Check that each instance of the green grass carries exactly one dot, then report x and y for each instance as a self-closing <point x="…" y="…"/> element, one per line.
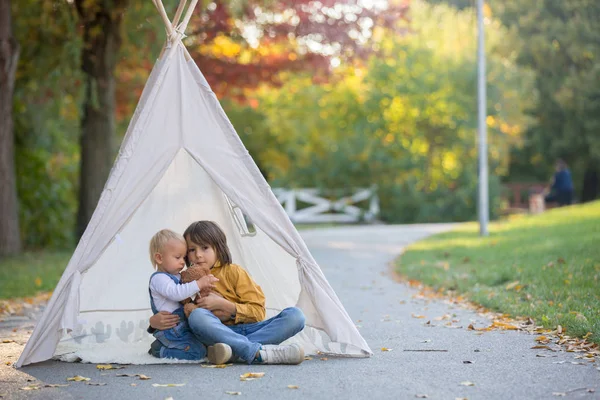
<point x="32" y="272"/>
<point x="555" y="257"/>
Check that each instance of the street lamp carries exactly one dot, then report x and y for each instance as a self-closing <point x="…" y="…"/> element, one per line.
<point x="483" y="204"/>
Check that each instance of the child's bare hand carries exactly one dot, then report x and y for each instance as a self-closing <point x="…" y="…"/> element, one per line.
<point x="164" y="320"/>
<point x="211" y="302"/>
<point x="207" y="282"/>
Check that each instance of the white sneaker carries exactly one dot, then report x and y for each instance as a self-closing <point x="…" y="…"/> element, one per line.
<point x="219" y="353"/>
<point x="275" y="354"/>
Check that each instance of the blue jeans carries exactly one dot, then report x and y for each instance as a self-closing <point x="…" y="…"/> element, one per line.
<point x="178" y="342"/>
<point x="245" y="339"/>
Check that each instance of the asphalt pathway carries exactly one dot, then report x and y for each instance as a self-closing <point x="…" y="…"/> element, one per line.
<point x="356" y="261"/>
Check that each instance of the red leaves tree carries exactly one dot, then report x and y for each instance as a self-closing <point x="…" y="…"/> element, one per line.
<point x="287" y="35"/>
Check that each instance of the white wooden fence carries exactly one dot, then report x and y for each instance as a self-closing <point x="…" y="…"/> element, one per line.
<point x="321" y="209"/>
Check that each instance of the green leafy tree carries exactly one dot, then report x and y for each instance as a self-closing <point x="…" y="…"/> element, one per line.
<point x="561" y="44"/>
<point x="405" y="121"/>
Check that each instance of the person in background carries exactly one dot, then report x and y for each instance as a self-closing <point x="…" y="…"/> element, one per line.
<point x="561" y="189"/>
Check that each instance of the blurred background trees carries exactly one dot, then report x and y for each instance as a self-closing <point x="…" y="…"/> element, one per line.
<point x="330" y="94"/>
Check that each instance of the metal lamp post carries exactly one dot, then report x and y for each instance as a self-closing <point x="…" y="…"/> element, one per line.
<point x="483" y="204"/>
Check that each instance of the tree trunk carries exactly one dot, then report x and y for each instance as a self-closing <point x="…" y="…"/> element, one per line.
<point x="591" y="183"/>
<point x="101" y="41"/>
<point x="10" y="236"/>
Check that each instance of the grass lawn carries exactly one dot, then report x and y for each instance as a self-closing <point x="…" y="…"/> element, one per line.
<point x="546" y="267"/>
<point x="32" y="272"/>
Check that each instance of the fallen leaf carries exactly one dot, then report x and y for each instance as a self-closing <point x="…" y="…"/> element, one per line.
<point x="95" y="384"/>
<point x="511" y="285"/>
<point x="78" y="378"/>
<point x="108" y="366"/>
<point x="168" y="384"/>
<point x="55" y="385"/>
<point x="323" y="358"/>
<point x="215" y="365"/>
<point x="133" y="384"/>
<point x="130" y="375"/>
<point x="541" y="347"/>
<point x="417" y="316"/>
<point x="293" y="387"/>
<point x="8" y="341"/>
<point x="542" y="339"/>
<point x="503" y="325"/>
<point x="308" y="358"/>
<point x="143" y="377"/>
<point x="421" y="396"/>
<point x="233" y="393"/>
<point x="248" y="376"/>
<point x="31" y="387"/>
<point x="38" y="282"/>
<point x="559" y="329"/>
<point x="467" y="362"/>
<point x="467" y="383"/>
<point x="385" y="349"/>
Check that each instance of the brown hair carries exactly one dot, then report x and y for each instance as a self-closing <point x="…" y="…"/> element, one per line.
<point x="209" y="233"/>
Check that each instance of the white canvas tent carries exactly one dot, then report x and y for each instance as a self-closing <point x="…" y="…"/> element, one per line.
<point x="180" y="161"/>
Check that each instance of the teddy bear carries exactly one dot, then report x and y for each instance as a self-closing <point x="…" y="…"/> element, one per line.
<point x="193" y="273"/>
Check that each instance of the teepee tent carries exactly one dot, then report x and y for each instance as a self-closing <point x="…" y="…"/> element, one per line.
<point x="180" y="161"/>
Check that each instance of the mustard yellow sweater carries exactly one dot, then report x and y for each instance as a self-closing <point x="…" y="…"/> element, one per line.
<point x="236" y="285"/>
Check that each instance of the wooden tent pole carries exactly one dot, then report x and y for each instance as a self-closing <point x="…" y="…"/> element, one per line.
<point x="169" y="26"/>
<point x="163" y="14"/>
<point x="188" y="15"/>
<point x="178" y="13"/>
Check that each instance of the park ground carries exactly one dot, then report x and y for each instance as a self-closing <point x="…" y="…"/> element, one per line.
<point x="433" y="341"/>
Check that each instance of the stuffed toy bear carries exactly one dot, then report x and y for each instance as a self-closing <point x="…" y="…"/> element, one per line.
<point x="193" y="273"/>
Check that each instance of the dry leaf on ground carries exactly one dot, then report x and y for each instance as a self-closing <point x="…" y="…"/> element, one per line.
<point x="233" y="393"/>
<point x="168" y="384"/>
<point x="108" y="366"/>
<point x="78" y="378"/>
<point x="215" y="365"/>
<point x="95" y="383"/>
<point x="467" y="383"/>
<point x="421" y="396"/>
<point x="293" y="387"/>
<point x="386" y="349"/>
<point x="30" y="387"/>
<point x="248" y="376"/>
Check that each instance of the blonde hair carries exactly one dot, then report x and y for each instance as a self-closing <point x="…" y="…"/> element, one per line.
<point x="160" y="239"/>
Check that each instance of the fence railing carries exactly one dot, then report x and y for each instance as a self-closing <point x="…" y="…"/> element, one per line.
<point x="310" y="205"/>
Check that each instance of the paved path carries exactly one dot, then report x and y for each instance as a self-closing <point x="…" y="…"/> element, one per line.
<point x="356" y="262"/>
